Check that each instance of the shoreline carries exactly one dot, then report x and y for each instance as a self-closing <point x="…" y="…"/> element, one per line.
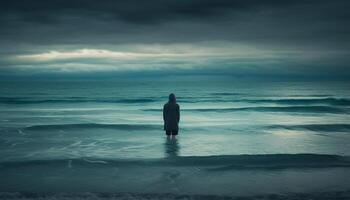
<point x="333" y="195"/>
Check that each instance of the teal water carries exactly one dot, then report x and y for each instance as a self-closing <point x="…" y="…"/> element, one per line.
<point x="105" y="135"/>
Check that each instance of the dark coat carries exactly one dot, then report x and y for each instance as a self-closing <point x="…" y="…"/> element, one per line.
<point x="171" y="116"/>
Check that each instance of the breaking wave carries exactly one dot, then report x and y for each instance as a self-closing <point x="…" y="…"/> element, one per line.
<point x="283" y="101"/>
<point x="220" y="162"/>
<point x="305" y="101"/>
<point x="19" y="100"/>
<point x="316" y="127"/>
<point x="94" y="125"/>
<point x="293" y="109"/>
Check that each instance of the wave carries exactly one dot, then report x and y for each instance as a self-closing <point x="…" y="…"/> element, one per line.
<point x="297" y="95"/>
<point x="293" y="109"/>
<point x="315" y="127"/>
<point x="94" y="125"/>
<point x="305" y="101"/>
<point x="284" y="101"/>
<point x="221" y="162"/>
<point x="328" y="195"/>
<point x="226" y="93"/>
<point x="18" y="100"/>
<point x="311" y="95"/>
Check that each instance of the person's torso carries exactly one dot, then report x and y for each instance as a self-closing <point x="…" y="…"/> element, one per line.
<point x="171" y="110"/>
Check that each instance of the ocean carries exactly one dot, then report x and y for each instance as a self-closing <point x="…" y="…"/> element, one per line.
<point x="105" y="140"/>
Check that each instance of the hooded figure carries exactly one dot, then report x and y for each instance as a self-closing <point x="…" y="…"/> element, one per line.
<point x="171" y="116"/>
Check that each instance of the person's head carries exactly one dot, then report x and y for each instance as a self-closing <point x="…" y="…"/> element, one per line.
<point x="172" y="98"/>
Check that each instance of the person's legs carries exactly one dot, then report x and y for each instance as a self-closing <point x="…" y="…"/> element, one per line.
<point x="174" y="133"/>
<point x="168" y="133"/>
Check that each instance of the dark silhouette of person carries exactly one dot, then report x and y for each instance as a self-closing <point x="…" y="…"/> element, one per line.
<point x="171" y="116"/>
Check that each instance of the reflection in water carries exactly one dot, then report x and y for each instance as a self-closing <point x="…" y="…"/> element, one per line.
<point x="171" y="147"/>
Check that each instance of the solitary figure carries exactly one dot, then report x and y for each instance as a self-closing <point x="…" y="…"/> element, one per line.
<point x="171" y="116"/>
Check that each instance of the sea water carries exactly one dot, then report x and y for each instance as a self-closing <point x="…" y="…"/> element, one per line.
<point x="235" y="139"/>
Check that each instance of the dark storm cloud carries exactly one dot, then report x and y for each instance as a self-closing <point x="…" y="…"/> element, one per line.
<point x="219" y="19"/>
<point x="331" y="15"/>
<point x="132" y="10"/>
<point x="291" y="36"/>
<point x="137" y="11"/>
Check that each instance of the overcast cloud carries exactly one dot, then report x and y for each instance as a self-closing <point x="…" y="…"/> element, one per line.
<point x="193" y="37"/>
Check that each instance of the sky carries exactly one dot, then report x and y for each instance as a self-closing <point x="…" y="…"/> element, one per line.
<point x="136" y="38"/>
